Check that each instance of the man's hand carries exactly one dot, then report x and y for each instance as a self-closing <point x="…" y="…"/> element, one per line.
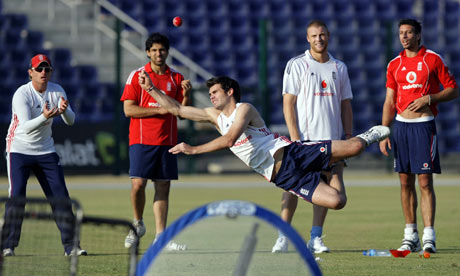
<point x="63" y="104"/>
<point x="419" y="103"/>
<point x="182" y="147"/>
<point x="186" y="87"/>
<point x="48" y="112"/>
<point x="144" y="80"/>
<point x="383" y="146"/>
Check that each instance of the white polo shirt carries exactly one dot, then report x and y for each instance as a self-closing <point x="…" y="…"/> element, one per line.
<point x="320" y="88"/>
<point x="30" y="132"/>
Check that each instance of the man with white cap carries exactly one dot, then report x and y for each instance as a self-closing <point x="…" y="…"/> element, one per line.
<point x="30" y="147"/>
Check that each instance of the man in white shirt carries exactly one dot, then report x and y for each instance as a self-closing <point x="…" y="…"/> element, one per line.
<point x="316" y="105"/>
<point x="30" y="148"/>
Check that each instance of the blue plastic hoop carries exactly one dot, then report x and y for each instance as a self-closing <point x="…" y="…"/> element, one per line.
<point x="227" y="208"/>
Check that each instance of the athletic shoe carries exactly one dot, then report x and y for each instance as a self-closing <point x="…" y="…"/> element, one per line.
<point x="80" y="252"/>
<point x="172" y="246"/>
<point x="131" y="237"/>
<point x="429" y="246"/>
<point x="411" y="241"/>
<point x="281" y="245"/>
<point x="375" y="134"/>
<point x="317" y="246"/>
<point x="8" y="252"/>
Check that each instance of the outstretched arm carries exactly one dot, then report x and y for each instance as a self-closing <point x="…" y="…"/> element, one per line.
<point x="174" y="107"/>
<point x="245" y="114"/>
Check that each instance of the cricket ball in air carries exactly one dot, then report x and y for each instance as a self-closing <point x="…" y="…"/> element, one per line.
<point x="177" y="21"/>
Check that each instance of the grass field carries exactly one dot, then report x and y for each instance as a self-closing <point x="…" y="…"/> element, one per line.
<point x="371" y="219"/>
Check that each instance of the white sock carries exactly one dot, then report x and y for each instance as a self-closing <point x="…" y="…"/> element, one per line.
<point x="412" y="226"/>
<point x="280" y="234"/>
<point x="428" y="233"/>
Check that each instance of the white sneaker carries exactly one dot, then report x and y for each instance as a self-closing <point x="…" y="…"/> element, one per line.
<point x="8" y="252"/>
<point x="317" y="245"/>
<point x="411" y="241"/>
<point x="80" y="252"/>
<point x="429" y="246"/>
<point x="131" y="237"/>
<point x="429" y="241"/>
<point x="375" y="134"/>
<point x="281" y="245"/>
<point x="172" y="246"/>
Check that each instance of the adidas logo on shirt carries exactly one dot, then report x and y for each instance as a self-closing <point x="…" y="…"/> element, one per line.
<point x="404" y="68"/>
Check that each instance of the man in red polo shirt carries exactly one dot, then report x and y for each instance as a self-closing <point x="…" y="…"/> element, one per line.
<point x="152" y="132"/>
<point x="413" y="80"/>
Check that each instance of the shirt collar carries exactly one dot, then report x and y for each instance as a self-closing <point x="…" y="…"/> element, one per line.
<point x="148" y="69"/>
<point x="308" y="55"/>
<point x="420" y="52"/>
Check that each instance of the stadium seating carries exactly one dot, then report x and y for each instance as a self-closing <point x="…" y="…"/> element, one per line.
<point x="222" y="36"/>
<point x="17" y="45"/>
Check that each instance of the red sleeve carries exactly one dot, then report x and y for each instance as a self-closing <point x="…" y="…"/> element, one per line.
<point x="178" y="78"/>
<point x="132" y="88"/>
<point x="444" y="75"/>
<point x="391" y="81"/>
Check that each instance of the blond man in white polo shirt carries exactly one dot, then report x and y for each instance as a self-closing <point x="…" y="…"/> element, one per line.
<point x="317" y="106"/>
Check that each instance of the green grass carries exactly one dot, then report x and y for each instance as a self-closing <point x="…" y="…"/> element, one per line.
<point x="371" y="219"/>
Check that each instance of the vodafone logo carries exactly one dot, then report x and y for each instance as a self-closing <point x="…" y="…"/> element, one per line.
<point x="322" y="149"/>
<point x="411" y="77"/>
<point x="425" y="166"/>
<point x="324" y="84"/>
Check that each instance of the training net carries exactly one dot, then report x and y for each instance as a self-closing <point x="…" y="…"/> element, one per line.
<point x="38" y="248"/>
<point x="228" y="238"/>
<point x="103" y="239"/>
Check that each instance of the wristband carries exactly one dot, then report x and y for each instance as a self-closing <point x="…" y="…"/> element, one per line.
<point x="150" y="89"/>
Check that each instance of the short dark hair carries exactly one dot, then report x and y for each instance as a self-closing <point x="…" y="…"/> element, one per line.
<point x="157" y="38"/>
<point x="414" y="23"/>
<point x="226" y="83"/>
<point x="318" y="23"/>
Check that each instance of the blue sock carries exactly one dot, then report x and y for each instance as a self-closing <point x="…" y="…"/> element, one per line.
<point x="316" y="231"/>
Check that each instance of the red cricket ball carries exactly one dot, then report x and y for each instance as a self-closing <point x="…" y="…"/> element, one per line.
<point x="177" y="21"/>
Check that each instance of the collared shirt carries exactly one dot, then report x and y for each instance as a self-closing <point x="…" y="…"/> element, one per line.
<point x="414" y="77"/>
<point x="320" y="88"/>
<point x="158" y="130"/>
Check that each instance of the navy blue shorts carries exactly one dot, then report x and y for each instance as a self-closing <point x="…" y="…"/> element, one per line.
<point x="416" y="147"/>
<point x="152" y="162"/>
<point x="301" y="168"/>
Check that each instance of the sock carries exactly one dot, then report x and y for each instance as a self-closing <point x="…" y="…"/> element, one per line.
<point x="428" y="233"/>
<point x="280" y="234"/>
<point x="316" y="231"/>
<point x="412" y="226"/>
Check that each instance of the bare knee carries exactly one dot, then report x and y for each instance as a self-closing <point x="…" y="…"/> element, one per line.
<point x="339" y="202"/>
<point x="138" y="185"/>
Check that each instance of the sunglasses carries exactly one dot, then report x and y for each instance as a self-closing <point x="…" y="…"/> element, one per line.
<point x="40" y="69"/>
